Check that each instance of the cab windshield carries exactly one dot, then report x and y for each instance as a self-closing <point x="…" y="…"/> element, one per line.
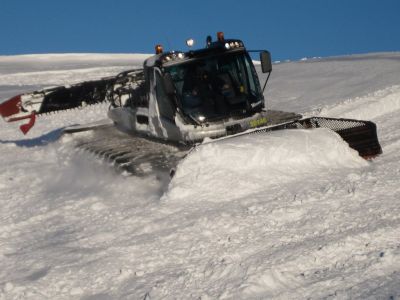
<point x="217" y="87"/>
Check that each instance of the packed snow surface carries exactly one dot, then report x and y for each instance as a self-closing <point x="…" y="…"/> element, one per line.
<point x="288" y="215"/>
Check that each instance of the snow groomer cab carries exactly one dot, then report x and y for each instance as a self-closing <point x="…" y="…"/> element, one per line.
<point x="188" y="96"/>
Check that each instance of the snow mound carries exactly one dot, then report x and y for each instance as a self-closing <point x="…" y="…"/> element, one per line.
<point x="368" y="107"/>
<point x="232" y="168"/>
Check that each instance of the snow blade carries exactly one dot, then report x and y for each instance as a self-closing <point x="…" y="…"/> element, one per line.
<point x="360" y="135"/>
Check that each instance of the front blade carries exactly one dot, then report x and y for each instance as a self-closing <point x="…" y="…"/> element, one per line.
<point x="360" y="135"/>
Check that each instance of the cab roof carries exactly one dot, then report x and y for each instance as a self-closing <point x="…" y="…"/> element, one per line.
<point x="176" y="57"/>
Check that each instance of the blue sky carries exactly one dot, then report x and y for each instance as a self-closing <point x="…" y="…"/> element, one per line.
<point x="290" y="29"/>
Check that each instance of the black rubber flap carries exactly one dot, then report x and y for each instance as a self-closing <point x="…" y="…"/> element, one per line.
<point x="360" y="135"/>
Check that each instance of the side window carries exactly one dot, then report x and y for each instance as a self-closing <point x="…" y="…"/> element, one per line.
<point x="253" y="77"/>
<point x="165" y="106"/>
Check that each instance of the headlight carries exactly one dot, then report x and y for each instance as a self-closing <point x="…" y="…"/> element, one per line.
<point x="190" y="42"/>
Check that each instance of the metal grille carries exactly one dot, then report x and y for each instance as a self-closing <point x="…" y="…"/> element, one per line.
<point x="360" y="135"/>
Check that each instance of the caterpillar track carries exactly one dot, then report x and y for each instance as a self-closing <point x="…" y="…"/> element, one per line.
<point x="132" y="154"/>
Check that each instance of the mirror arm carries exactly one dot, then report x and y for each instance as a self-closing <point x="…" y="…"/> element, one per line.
<point x="269" y="64"/>
<point x="266" y="81"/>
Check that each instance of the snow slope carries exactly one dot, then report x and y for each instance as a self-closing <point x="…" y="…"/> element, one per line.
<point x="288" y="215"/>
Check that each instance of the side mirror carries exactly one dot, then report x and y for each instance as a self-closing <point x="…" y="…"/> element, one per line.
<point x="169" y="84"/>
<point x="266" y="64"/>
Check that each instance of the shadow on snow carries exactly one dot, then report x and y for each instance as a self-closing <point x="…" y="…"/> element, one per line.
<point x="42" y="140"/>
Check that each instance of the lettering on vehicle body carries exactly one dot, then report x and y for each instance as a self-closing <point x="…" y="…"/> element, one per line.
<point x="258" y="122"/>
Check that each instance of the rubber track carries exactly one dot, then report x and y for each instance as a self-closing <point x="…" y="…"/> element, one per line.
<point x="132" y="154"/>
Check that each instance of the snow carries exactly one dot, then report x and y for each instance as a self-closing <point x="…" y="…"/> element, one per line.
<point x="257" y="164"/>
<point x="289" y="214"/>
